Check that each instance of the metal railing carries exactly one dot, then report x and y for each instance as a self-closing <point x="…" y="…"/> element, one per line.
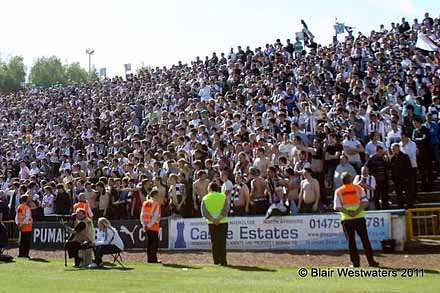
<point x="12" y="229"/>
<point x="423" y="223"/>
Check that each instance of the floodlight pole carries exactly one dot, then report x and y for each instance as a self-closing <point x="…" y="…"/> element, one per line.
<point x="90" y="52"/>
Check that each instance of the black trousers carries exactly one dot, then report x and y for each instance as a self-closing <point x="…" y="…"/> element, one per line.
<point x="218" y="240"/>
<point x="95" y="212"/>
<point x="25" y="244"/>
<point x="412" y="194"/>
<point x="381" y="193"/>
<point x="259" y="207"/>
<point x="100" y="250"/>
<point x="401" y="187"/>
<point x="152" y="246"/>
<point x="238" y="211"/>
<point x="73" y="247"/>
<point x="424" y="162"/>
<point x="351" y="227"/>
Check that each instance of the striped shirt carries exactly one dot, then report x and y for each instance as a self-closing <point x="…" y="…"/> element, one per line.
<point x="369" y="180"/>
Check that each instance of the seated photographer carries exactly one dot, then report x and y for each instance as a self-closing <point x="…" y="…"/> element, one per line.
<point x="82" y="235"/>
<point x="108" y="241"/>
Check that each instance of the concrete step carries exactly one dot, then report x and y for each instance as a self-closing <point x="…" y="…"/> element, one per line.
<point x="422" y="196"/>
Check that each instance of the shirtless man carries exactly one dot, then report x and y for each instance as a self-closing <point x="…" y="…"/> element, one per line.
<point x="91" y="198"/>
<point x="292" y="184"/>
<point x="309" y="194"/>
<point x="258" y="196"/>
<point x="159" y="186"/>
<point x="200" y="189"/>
<point x="240" y="197"/>
<point x="295" y="150"/>
<point x="261" y="162"/>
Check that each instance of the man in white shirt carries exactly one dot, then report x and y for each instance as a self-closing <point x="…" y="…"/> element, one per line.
<point x="393" y="136"/>
<point x="34" y="169"/>
<point x="352" y="148"/>
<point x="205" y="92"/>
<point x="370" y="148"/>
<point x="286" y="146"/>
<point x="375" y="125"/>
<point x="227" y="186"/>
<point x="48" y="203"/>
<point x="232" y="56"/>
<point x="409" y="147"/>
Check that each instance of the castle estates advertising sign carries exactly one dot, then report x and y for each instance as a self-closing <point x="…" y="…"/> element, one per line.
<point x="313" y="232"/>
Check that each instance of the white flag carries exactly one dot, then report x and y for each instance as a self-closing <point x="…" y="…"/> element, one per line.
<point x="424" y="42"/>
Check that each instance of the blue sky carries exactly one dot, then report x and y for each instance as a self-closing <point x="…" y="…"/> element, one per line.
<point x="162" y="32"/>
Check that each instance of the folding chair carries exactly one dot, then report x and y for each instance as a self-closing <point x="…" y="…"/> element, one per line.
<point x="117" y="257"/>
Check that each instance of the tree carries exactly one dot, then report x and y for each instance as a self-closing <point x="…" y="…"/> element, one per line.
<point x="75" y="73"/>
<point x="143" y="68"/>
<point x="93" y="75"/>
<point x="12" y="74"/>
<point x="50" y="71"/>
<point x="47" y="72"/>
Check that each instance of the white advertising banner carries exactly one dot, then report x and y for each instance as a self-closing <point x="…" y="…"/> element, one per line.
<point x="303" y="232"/>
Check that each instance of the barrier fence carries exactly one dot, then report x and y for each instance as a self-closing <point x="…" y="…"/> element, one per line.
<point x="50" y="235"/>
<point x="12" y="230"/>
<point x="423" y="223"/>
<point x="301" y="232"/>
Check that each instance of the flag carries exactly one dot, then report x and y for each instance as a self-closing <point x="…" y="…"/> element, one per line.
<point x="307" y="33"/>
<point x="103" y="72"/>
<point x="426" y="43"/>
<point x="299" y="36"/>
<point x="127" y="67"/>
<point x="339" y="28"/>
<point x="349" y="29"/>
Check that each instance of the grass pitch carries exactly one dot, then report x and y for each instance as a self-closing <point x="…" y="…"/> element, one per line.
<point x="52" y="276"/>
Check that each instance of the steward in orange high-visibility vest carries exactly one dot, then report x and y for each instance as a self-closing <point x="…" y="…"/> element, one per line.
<point x="23" y="219"/>
<point x="350" y="200"/>
<point x="83" y="204"/>
<point x="150" y="220"/>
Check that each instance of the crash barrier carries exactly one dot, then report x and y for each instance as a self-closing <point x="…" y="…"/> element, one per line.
<point x="423" y="223"/>
<point x="300" y="232"/>
<point x="12" y="230"/>
<point x="51" y="235"/>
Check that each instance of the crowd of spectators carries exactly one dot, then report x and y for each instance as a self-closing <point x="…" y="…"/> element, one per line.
<point x="274" y="126"/>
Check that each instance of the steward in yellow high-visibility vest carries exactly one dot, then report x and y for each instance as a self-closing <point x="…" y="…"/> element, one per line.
<point x="215" y="208"/>
<point x="350" y="200"/>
